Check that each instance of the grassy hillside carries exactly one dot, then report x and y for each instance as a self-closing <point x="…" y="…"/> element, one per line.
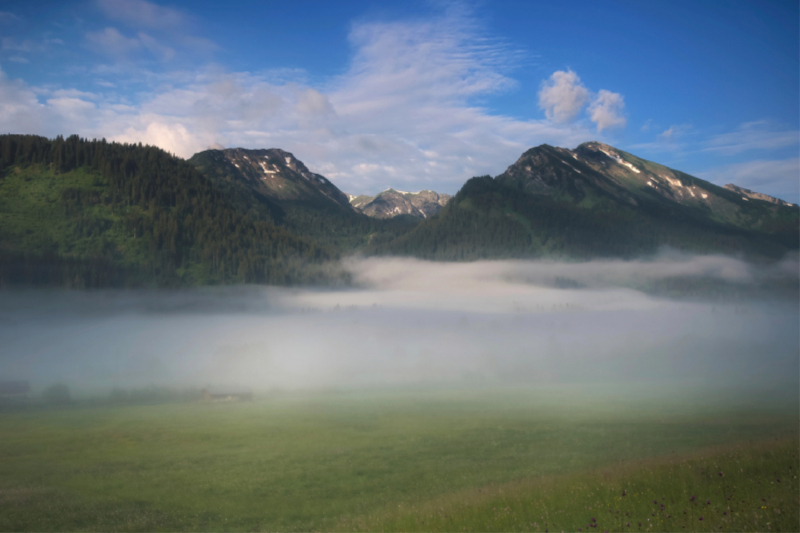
<point x="95" y="214"/>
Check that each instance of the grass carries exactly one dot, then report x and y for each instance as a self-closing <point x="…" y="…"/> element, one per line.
<point x="399" y="460"/>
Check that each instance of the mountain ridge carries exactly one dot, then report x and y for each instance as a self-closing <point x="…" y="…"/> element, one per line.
<point x="597" y="201"/>
<point x="392" y="202"/>
<point x="81" y="213"/>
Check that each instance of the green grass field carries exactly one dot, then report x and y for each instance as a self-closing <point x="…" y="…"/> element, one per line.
<point x="551" y="458"/>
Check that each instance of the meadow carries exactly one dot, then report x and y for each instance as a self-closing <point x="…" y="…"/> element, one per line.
<point x="588" y="456"/>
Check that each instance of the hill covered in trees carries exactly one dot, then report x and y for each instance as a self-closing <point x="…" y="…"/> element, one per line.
<point x="597" y="201"/>
<point x="80" y="213"/>
<point x="277" y="185"/>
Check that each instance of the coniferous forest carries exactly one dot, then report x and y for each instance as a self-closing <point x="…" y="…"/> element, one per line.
<point x="78" y="213"/>
<point x="86" y="214"/>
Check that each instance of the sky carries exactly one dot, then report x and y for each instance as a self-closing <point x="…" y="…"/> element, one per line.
<point x="417" y="94"/>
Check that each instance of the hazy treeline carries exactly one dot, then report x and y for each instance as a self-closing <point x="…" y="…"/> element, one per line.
<point x="62" y="395"/>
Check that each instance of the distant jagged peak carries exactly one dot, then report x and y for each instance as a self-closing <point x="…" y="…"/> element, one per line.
<point x="747" y="193"/>
<point x="392" y="202"/>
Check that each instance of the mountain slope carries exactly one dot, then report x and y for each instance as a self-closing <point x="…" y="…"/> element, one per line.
<point x="277" y="186"/>
<point x="597" y="201"/>
<point x="95" y="214"/>
<point x="391" y="203"/>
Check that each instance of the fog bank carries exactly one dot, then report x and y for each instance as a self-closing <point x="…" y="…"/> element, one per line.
<point x="415" y="322"/>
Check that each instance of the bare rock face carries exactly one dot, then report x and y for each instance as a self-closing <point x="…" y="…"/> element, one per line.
<point x="755" y="195"/>
<point x="391" y="203"/>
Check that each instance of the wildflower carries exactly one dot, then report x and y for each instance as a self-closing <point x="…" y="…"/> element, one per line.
<point x="708" y="502"/>
<point x="720" y="473"/>
<point x="701" y="518"/>
<point x="778" y="480"/>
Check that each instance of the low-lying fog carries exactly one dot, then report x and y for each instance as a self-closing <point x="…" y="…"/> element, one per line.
<point x="415" y="322"/>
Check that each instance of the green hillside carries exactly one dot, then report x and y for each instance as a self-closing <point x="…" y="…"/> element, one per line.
<point x="80" y="213"/>
<point x="582" y="204"/>
<point x="292" y="200"/>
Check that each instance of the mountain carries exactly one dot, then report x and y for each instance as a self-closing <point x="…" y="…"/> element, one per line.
<point x="391" y="203"/>
<point x="274" y="184"/>
<point x="78" y="213"/>
<point x="755" y="195"/>
<point x="597" y="201"/>
<point x="274" y="173"/>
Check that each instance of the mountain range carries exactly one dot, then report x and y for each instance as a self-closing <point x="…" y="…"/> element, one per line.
<point x="391" y="203"/>
<point x="89" y="213"/>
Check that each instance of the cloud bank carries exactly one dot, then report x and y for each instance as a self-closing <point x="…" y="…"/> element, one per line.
<point x="409" y="323"/>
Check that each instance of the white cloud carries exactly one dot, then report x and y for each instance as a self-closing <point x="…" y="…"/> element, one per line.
<point x="563" y="96"/>
<point x="760" y="135"/>
<point x="111" y="42"/>
<point x="402" y="115"/>
<point x="173" y="137"/>
<point x="312" y="102"/>
<point x="673" y="133"/>
<point x="139" y="13"/>
<point x="20" y="111"/>
<point x="13" y="45"/>
<point x="607" y="110"/>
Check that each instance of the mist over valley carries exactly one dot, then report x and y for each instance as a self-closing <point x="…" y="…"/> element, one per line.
<point x="410" y="322"/>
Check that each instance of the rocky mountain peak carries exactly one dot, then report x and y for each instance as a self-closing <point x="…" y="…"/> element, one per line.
<point x="391" y="203"/>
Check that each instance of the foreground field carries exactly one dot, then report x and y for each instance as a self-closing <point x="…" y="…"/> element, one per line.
<point x="454" y="460"/>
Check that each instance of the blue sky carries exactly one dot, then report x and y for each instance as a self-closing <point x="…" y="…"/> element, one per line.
<point x="417" y="94"/>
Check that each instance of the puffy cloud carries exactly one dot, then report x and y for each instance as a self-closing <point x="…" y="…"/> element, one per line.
<point x="607" y="110"/>
<point x="20" y="110"/>
<point x="563" y="96"/>
<point x="312" y="102"/>
<point x="173" y="137"/>
<point x="401" y="115"/>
